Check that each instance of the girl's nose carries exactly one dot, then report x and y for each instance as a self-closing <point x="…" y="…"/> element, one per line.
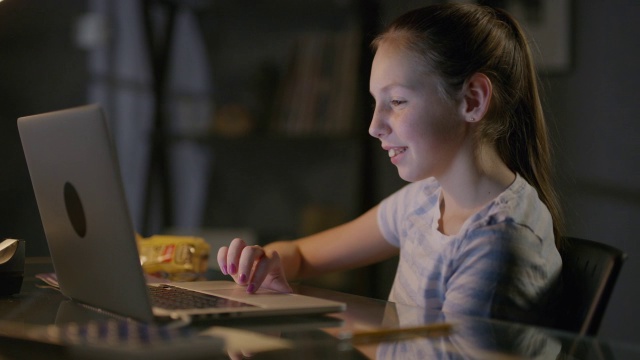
<point x="378" y="127"/>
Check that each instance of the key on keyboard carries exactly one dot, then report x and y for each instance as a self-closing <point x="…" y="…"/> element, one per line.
<point x="171" y="297"/>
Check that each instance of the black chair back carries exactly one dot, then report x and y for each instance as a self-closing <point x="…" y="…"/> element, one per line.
<point x="589" y="272"/>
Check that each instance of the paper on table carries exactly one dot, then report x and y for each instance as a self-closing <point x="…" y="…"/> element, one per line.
<point x="8" y="247"/>
<point x="50" y="278"/>
<point x="243" y="341"/>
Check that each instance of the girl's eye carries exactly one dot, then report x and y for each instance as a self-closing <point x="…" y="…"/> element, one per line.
<point x="397" y="102"/>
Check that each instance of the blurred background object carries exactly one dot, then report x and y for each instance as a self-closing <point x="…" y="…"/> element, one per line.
<point x="200" y="96"/>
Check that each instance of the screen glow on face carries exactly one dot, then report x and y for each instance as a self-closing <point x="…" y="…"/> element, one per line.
<point x="420" y="131"/>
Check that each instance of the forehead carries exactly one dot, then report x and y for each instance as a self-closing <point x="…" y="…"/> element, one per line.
<point x="395" y="65"/>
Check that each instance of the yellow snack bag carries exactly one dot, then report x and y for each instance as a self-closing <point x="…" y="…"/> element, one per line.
<point x="177" y="258"/>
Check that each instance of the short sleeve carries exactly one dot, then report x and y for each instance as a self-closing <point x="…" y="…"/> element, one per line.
<point x="387" y="222"/>
<point x="393" y="210"/>
<point x="496" y="272"/>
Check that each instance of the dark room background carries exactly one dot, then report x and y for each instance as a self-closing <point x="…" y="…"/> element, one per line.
<point x="278" y="184"/>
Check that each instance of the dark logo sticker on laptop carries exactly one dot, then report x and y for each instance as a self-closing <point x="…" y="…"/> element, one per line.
<point x="75" y="211"/>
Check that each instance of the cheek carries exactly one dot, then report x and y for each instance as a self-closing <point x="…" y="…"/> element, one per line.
<point x="437" y="137"/>
<point x="446" y="125"/>
<point x="433" y="132"/>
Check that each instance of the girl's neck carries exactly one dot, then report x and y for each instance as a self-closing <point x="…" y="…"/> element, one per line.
<point x="473" y="181"/>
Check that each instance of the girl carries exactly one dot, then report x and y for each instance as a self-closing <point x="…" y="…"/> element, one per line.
<point x="457" y="109"/>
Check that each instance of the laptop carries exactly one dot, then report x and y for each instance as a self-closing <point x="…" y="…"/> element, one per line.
<point x="76" y="179"/>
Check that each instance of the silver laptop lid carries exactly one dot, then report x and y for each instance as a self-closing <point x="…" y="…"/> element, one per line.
<point x="76" y="179"/>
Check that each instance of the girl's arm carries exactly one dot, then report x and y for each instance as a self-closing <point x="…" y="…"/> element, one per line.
<point x="353" y="244"/>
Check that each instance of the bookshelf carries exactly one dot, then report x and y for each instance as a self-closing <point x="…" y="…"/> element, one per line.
<point x="286" y="67"/>
<point x="290" y="78"/>
<point x="291" y="150"/>
<point x="318" y="91"/>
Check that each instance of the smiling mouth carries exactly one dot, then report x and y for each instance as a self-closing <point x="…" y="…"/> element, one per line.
<point x="396" y="151"/>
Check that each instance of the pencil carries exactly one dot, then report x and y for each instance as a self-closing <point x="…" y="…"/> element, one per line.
<point x="388" y="334"/>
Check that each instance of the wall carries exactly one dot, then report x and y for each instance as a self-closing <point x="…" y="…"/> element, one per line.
<point x="594" y="107"/>
<point x="40" y="70"/>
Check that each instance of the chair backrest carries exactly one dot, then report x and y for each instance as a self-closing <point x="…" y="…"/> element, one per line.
<point x="589" y="272"/>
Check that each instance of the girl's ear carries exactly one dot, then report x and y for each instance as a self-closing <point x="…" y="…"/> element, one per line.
<point x="477" y="96"/>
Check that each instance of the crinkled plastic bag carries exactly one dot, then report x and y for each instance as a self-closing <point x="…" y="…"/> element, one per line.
<point x="176" y="258"/>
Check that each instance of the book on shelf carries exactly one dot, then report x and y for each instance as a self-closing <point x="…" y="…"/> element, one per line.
<point x="319" y="90"/>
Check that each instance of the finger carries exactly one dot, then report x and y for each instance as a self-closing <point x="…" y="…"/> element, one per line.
<point x="222" y="259"/>
<point x="248" y="258"/>
<point x="278" y="279"/>
<point x="260" y="273"/>
<point x="233" y="255"/>
<point x="239" y="354"/>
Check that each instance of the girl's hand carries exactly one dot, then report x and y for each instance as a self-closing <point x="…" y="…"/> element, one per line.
<point x="253" y="267"/>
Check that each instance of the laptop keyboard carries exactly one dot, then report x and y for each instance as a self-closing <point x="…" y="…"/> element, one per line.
<point x="174" y="298"/>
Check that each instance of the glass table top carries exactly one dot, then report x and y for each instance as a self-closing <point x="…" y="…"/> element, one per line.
<point x="368" y="329"/>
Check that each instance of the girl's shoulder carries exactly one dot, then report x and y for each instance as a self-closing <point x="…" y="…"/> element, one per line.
<point x="517" y="207"/>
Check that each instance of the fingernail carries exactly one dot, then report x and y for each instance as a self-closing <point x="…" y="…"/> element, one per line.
<point x="243" y="278"/>
<point x="232" y="269"/>
<point x="223" y="268"/>
<point x="251" y="288"/>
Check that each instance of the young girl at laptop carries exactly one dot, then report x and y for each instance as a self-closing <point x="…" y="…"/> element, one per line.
<point x="458" y="111"/>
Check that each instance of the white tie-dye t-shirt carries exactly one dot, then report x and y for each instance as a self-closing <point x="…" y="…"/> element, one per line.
<point x="503" y="262"/>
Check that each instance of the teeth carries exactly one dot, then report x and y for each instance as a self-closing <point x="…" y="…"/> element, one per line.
<point x="394" y="152"/>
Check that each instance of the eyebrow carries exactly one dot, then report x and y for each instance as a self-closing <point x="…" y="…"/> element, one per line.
<point x="388" y="87"/>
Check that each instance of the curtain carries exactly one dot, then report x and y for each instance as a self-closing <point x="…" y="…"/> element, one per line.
<point x="122" y="81"/>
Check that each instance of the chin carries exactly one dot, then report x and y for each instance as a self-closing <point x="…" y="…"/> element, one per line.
<point x="408" y="177"/>
<point x="411" y="177"/>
